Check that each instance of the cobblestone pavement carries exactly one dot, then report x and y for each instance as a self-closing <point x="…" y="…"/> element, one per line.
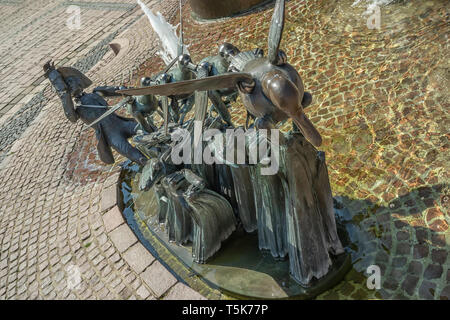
<point x="58" y="212"/>
<point x="380" y="101"/>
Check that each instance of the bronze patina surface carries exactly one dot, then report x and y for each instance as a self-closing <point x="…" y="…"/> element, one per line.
<point x="239" y="269"/>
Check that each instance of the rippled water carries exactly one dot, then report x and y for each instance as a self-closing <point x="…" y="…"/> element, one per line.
<point x="381" y="102"/>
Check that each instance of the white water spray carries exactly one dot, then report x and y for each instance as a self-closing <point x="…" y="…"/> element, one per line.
<point x="166" y="33"/>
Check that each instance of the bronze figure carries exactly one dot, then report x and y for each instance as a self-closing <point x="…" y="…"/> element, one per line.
<point x="270" y="88"/>
<point x="111" y="132"/>
<point x="291" y="210"/>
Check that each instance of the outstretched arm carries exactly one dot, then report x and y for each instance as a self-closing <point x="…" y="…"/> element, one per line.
<point x="109" y="91"/>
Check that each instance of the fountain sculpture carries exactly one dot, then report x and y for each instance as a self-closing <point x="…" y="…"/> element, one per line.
<point x="203" y="203"/>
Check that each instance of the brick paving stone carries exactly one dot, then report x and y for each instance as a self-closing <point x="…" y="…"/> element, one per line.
<point x="433" y="272"/>
<point x="182" y="292"/>
<point x="427" y="290"/>
<point x="158" y="278"/>
<point x="143" y="292"/>
<point x="109" y="198"/>
<point x="410" y="283"/>
<point x="421" y="251"/>
<point x="123" y="237"/>
<point x="138" y="257"/>
<point x="439" y="256"/>
<point x="112" y="219"/>
<point x="53" y="216"/>
<point x="415" y="268"/>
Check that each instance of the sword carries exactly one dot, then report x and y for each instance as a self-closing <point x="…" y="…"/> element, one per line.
<point x="165" y="107"/>
<point x="110" y="111"/>
<point x="92" y="106"/>
<point x="170" y="65"/>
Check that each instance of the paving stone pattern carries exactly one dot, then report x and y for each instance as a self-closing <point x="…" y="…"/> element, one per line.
<point x="58" y="203"/>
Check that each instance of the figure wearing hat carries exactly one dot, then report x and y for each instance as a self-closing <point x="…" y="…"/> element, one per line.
<point x="112" y="131"/>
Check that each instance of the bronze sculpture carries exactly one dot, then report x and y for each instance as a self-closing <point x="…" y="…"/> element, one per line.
<point x="140" y="107"/>
<point x="217" y="65"/>
<point x="111" y="132"/>
<point x="272" y="91"/>
<point x="188" y="208"/>
<point x="291" y="210"/>
<point x="186" y="70"/>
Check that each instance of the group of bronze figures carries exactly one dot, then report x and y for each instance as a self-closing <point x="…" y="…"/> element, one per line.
<point x="292" y="210"/>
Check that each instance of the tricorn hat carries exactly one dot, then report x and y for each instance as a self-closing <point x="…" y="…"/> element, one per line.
<point x="67" y="72"/>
